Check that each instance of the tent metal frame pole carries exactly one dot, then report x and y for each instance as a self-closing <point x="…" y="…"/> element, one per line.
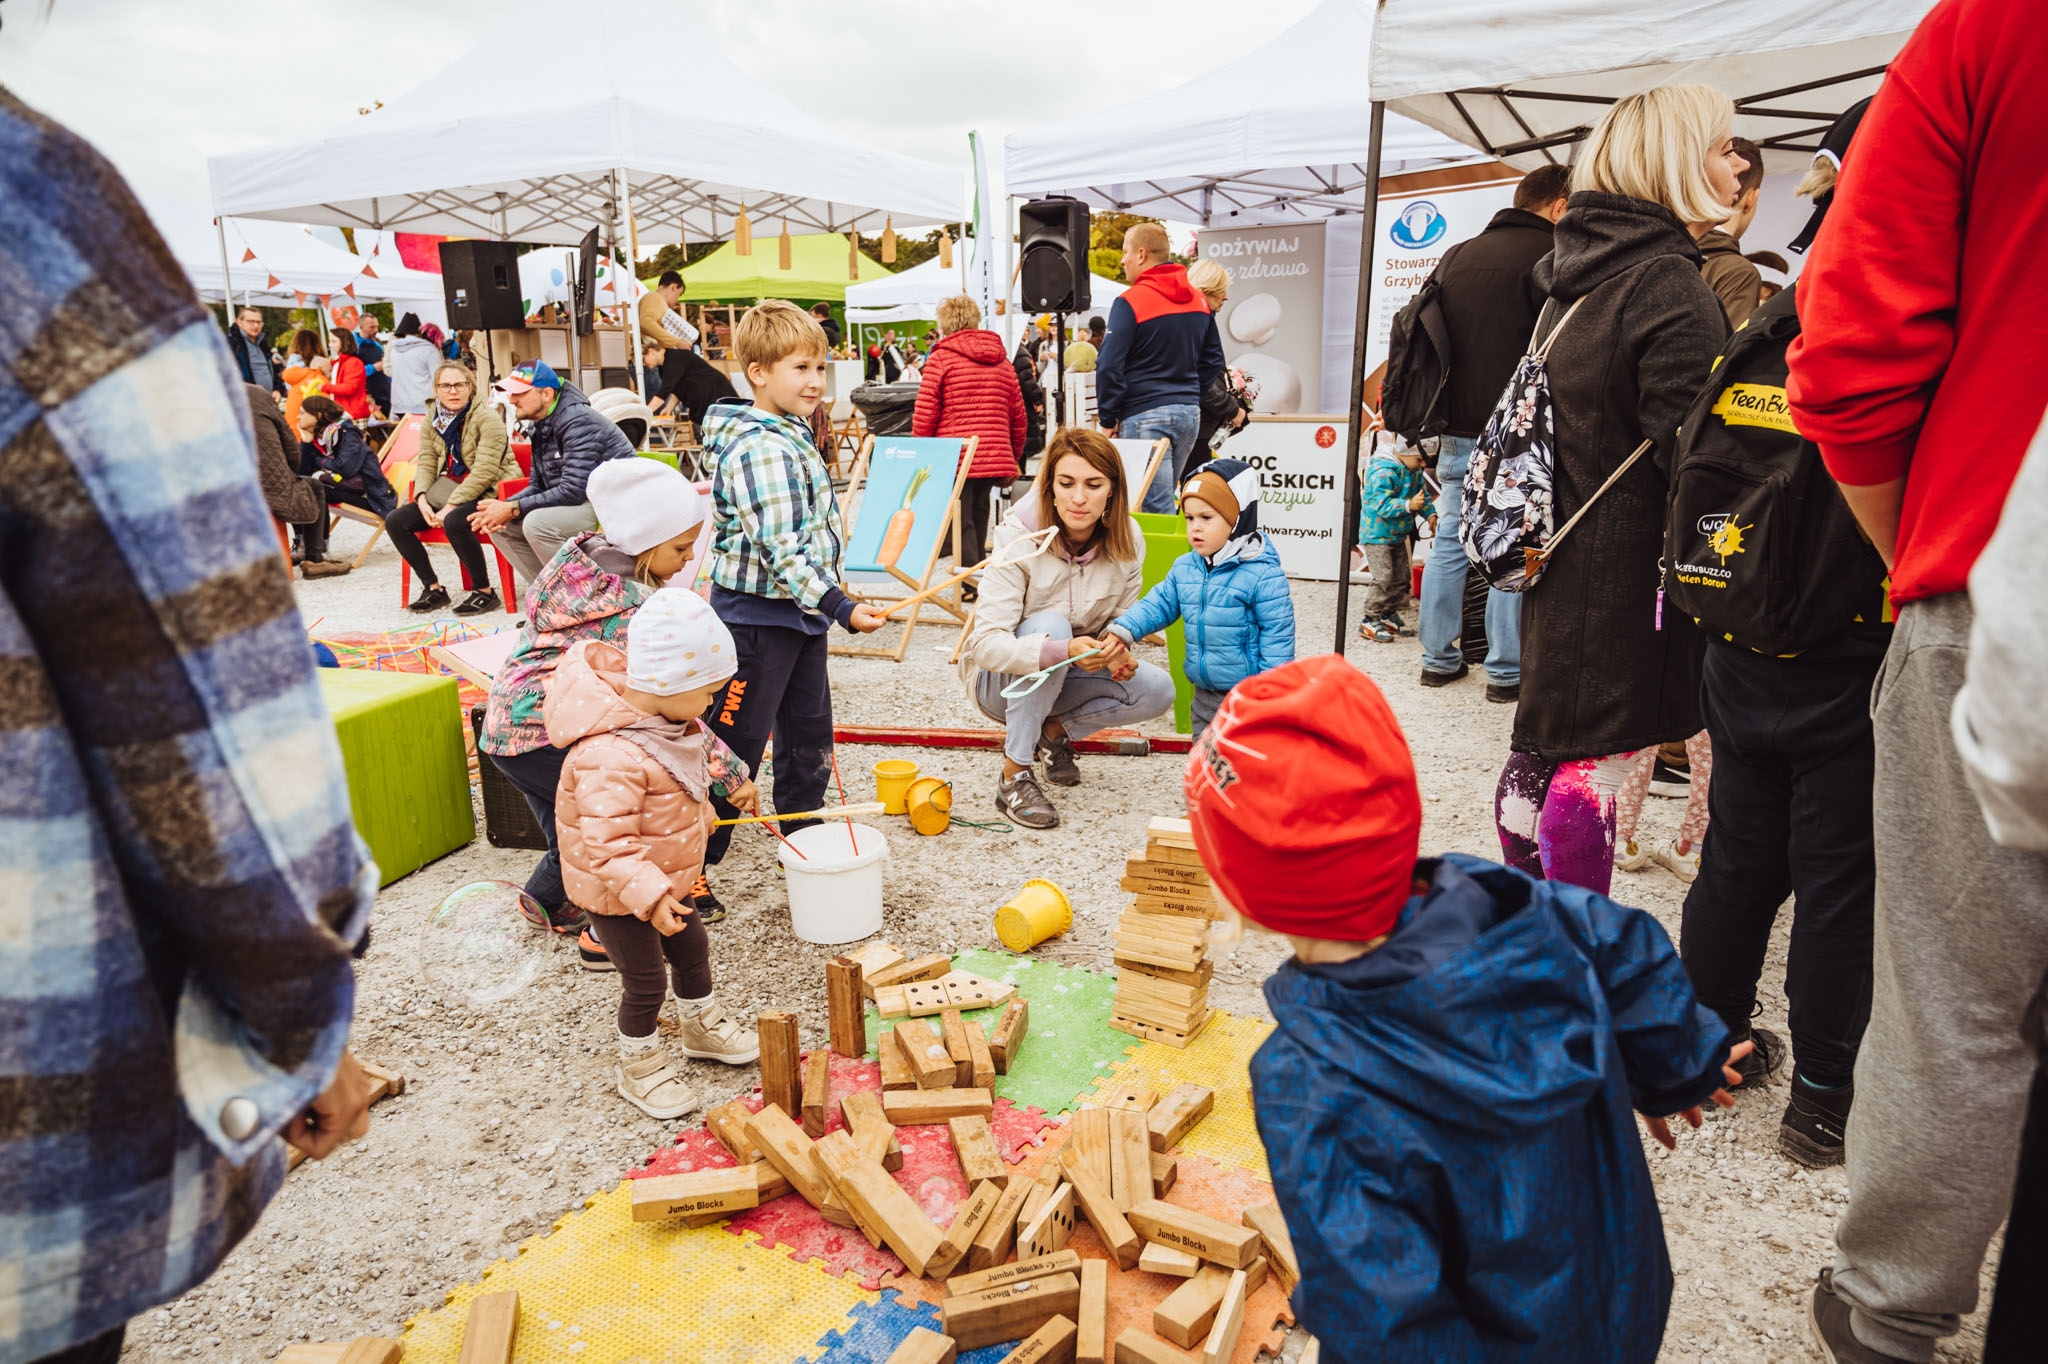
<point x="227" y="283"/>
<point x="1347" y="536"/>
<point x="632" y="305"/>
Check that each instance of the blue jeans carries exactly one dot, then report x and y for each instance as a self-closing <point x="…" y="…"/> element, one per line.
<point x="1443" y="586"/>
<point x="1083" y="701"/>
<point x="1178" y="423"/>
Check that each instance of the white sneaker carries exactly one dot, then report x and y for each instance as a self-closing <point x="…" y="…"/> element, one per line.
<point x="1630" y="856"/>
<point x="715" y="1035"/>
<point x="1685" y="866"/>
<point x="649" y="1082"/>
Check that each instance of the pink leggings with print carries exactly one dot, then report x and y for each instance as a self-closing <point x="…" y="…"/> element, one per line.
<point x="1557" y="820"/>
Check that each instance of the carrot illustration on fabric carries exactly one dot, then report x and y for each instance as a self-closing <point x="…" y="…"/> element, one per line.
<point x="896" y="538"/>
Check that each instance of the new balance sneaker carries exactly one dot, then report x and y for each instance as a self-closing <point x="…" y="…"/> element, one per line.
<point x="590" y="952"/>
<point x="1060" y="767"/>
<point x="1021" y="798"/>
<point x="712" y="1034"/>
<point x="1815" y="1122"/>
<point x="708" y="907"/>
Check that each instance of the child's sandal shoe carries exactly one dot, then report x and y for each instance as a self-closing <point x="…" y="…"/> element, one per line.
<point x="649" y="1082"/>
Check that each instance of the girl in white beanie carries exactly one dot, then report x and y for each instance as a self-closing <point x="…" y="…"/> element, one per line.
<point x="632" y="816"/>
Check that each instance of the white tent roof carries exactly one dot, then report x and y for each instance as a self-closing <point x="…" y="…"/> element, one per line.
<point x="915" y="293"/>
<point x="492" y="147"/>
<point x="1279" y="133"/>
<point x="300" y="263"/>
<point x="1527" y="83"/>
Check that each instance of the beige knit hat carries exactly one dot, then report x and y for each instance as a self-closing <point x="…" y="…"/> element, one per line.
<point x="676" y="643"/>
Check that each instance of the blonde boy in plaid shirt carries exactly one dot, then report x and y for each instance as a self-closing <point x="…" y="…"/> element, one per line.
<point x="777" y="542"/>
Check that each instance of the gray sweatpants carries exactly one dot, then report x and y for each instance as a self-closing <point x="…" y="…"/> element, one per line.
<point x="530" y="541"/>
<point x="1941" y="1080"/>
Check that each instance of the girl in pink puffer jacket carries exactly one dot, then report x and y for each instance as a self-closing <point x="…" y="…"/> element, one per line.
<point x="632" y="815"/>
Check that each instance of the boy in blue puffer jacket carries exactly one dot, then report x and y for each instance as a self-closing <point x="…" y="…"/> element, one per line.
<point x="1446" y="1101"/>
<point x="1231" y="590"/>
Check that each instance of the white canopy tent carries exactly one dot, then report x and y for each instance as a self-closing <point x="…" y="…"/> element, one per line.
<point x="1278" y="134"/>
<point x="914" y="295"/>
<point x="300" y="264"/>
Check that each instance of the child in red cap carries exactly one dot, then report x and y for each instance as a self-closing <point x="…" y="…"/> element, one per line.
<point x="1446" y="1103"/>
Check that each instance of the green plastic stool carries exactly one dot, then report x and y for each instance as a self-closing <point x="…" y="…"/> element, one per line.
<point x="1166" y="539"/>
<point x="408" y="771"/>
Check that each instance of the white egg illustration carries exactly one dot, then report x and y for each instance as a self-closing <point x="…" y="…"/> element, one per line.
<point x="1279" y="384"/>
<point x="1254" y="320"/>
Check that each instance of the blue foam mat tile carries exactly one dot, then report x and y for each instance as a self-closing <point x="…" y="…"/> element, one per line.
<point x="879" y="1327"/>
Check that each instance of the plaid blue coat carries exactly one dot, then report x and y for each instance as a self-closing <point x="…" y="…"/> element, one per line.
<point x="180" y="883"/>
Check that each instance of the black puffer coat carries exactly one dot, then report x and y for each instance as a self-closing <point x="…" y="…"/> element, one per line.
<point x="1598" y="677"/>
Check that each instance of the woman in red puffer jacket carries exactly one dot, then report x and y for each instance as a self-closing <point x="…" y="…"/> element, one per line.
<point x="969" y="389"/>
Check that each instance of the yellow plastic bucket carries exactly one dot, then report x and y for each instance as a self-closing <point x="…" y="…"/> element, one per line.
<point x="930" y="805"/>
<point x="892" y="783"/>
<point x="1037" y="912"/>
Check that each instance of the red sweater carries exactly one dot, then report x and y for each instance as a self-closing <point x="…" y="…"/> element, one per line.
<point x="970" y="389"/>
<point x="1923" y="346"/>
<point x="349" y="386"/>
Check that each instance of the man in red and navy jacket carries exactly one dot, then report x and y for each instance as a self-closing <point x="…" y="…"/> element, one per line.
<point x="1161" y="354"/>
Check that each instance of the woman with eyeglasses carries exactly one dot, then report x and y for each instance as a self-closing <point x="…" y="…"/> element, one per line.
<point x="463" y="457"/>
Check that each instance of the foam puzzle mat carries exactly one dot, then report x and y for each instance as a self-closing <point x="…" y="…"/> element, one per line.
<point x="781" y="1285"/>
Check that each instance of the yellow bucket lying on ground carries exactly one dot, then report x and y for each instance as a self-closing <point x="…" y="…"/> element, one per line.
<point x="929" y="804"/>
<point x="892" y="783"/>
<point x="1039" y="911"/>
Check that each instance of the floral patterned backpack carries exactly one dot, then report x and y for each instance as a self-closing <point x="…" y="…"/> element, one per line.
<point x="1505" y="525"/>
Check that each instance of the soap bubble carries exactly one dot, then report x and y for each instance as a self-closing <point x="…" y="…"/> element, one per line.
<point x="485" y="942"/>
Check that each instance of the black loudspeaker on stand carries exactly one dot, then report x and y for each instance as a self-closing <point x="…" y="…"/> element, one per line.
<point x="481" y="283"/>
<point x="1052" y="236"/>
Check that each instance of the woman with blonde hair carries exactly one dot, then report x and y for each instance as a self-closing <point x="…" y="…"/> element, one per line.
<point x="1048" y="608"/>
<point x="464" y="456"/>
<point x="1605" y="673"/>
<point x="1220" y="408"/>
<point x="970" y="389"/>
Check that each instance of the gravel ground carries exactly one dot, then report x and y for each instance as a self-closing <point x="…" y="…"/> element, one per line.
<point x="509" y="1120"/>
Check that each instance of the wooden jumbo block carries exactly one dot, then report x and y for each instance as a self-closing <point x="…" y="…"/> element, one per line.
<point x="1170" y="833"/>
<point x="906" y="973"/>
<point x="897" y="1072"/>
<point x="1091" y="1339"/>
<point x="1101" y="1211"/>
<point x="372" y="1350"/>
<point x="871" y="1128"/>
<point x="1130" y="1159"/>
<point x="1049" y="1229"/>
<point x="695" y="1194"/>
<point x="1213" y="1239"/>
<point x="1135" y="1347"/>
<point x="728" y="1122"/>
<point x="1151" y="1033"/>
<point x="843" y="993"/>
<point x="924" y="1346"/>
<point x="1052" y="1343"/>
<point x="1018" y="1271"/>
<point x="402" y="746"/>
<point x="981" y="1064"/>
<point x="834" y="1154"/>
<point x="1278" y="1247"/>
<point x="1009" y="1034"/>
<point x="968" y="1220"/>
<point x="992" y="1243"/>
<point x="927" y="1054"/>
<point x="873" y="959"/>
<point x="782" y="1082"/>
<point x="909" y="1107"/>
<point x="1165" y="1170"/>
<point x="491" y="1330"/>
<point x="975" y="1144"/>
<point x="1088" y="1140"/>
<point x="1137" y="1098"/>
<point x="1187" y="1313"/>
<point x="1229" y="1324"/>
<point x="1010" y="1311"/>
<point x="1175" y="873"/>
<point x="953" y="1032"/>
<point x="882" y="1202"/>
<point x="965" y="990"/>
<point x="1166" y="1260"/>
<point x="1176" y="1115"/>
<point x="817" y="1091"/>
<point x="785" y="1146"/>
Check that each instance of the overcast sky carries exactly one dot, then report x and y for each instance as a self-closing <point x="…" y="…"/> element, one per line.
<point x="160" y="85"/>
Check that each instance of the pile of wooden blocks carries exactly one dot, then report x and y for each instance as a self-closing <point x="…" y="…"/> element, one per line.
<point x="1162" y="956"/>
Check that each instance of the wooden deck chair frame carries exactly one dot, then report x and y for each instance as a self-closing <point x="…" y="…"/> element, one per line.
<point x="952" y="607"/>
<point x="1159" y="449"/>
<point x="342" y="511"/>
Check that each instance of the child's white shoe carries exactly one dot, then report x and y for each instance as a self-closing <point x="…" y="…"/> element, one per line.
<point x="1631" y="856"/>
<point x="1685" y="866"/>
<point x="712" y="1034"/>
<point x="649" y="1082"/>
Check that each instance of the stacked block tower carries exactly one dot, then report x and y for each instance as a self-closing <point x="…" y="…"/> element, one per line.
<point x="1162" y="955"/>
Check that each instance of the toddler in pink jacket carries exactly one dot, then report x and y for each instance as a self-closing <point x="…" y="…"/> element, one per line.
<point x="632" y="815"/>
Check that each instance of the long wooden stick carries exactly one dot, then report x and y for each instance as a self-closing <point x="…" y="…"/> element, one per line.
<point x="1038" y="540"/>
<point x="834" y="812"/>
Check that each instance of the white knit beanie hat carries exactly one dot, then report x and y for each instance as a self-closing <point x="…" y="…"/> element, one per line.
<point x="676" y="642"/>
<point x="641" y="503"/>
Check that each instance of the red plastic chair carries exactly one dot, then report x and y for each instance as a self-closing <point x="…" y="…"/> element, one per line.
<point x="428" y="535"/>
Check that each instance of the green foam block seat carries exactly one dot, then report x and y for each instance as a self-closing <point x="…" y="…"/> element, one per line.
<point x="408" y="770"/>
<point x="1166" y="539"/>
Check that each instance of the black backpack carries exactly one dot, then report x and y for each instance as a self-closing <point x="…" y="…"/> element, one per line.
<point x="1414" y="392"/>
<point x="1759" y="547"/>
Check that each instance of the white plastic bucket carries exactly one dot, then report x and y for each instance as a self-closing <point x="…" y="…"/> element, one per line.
<point x="835" y="888"/>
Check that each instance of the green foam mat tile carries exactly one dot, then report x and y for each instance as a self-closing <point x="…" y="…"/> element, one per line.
<point x="1069" y="1042"/>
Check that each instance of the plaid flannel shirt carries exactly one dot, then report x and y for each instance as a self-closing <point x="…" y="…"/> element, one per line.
<point x="775" y="524"/>
<point x="182" y="883"/>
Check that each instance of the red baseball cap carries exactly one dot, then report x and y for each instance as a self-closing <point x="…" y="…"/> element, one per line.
<point x="1303" y="801"/>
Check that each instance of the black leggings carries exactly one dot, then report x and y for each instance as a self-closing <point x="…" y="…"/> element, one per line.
<point x="638" y="949"/>
<point x="974" y="513"/>
<point x="404" y="527"/>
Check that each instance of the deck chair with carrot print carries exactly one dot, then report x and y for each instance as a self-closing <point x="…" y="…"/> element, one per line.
<point x="902" y="501"/>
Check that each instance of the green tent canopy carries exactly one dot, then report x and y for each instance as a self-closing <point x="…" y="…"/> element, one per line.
<point x="817" y="271"/>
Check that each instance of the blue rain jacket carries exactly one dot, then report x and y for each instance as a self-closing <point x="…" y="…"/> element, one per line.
<point x="1450" y="1128"/>
<point x="1239" y="615"/>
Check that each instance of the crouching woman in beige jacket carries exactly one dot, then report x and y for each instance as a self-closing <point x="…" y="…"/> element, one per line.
<point x="1043" y="610"/>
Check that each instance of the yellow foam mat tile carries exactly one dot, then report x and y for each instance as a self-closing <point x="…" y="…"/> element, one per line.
<point x="1219" y="1057"/>
<point x="603" y="1289"/>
